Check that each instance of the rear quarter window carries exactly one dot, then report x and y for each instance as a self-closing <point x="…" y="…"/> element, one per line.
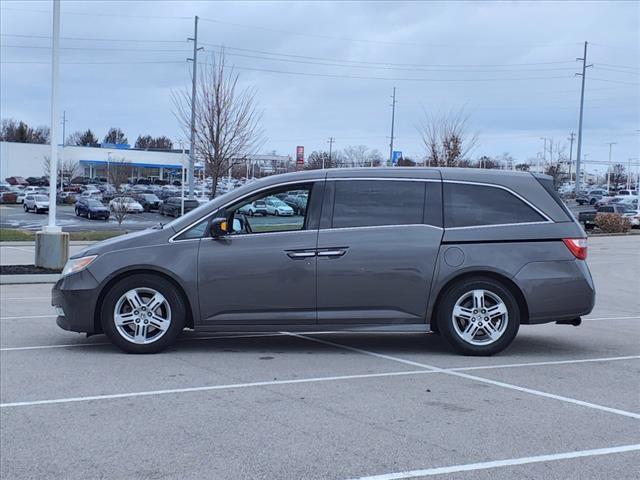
<point x="467" y="205"/>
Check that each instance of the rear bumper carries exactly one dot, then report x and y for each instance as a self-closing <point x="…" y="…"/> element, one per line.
<point x="558" y="290"/>
<point x="76" y="295"/>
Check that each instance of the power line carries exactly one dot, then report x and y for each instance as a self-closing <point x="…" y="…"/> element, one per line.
<point x="87" y="14"/>
<point x="565" y="62"/>
<point x="300" y="61"/>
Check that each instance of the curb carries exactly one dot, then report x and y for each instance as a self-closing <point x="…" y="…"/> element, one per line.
<point x="25" y="279"/>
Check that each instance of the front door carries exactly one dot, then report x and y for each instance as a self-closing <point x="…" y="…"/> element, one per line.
<point x="377" y="250"/>
<point x="265" y="272"/>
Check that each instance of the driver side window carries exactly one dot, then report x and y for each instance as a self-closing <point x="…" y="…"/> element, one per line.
<point x="280" y="209"/>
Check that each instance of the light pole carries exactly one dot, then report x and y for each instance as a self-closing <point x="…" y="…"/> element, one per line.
<point x="52" y="245"/>
<point x="611" y="144"/>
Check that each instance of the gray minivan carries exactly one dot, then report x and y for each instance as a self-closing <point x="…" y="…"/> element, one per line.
<point x="467" y="253"/>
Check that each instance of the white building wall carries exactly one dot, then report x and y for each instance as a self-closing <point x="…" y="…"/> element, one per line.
<point x="27" y="159"/>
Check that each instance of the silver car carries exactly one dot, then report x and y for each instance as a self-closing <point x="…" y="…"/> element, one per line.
<point x="469" y="254"/>
<point x="37" y="203"/>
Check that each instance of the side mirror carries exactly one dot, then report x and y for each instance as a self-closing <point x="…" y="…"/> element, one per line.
<point x="219" y="227"/>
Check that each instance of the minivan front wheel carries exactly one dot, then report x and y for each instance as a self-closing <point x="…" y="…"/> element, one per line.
<point x="143" y="313"/>
<point x="479" y="316"/>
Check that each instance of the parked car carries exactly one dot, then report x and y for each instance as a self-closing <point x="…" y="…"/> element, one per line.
<point x="275" y="206"/>
<point x="591" y="197"/>
<point x="634" y="216"/>
<point x="17" y="181"/>
<point x="589" y="218"/>
<point x="254" y="208"/>
<point x="149" y="201"/>
<point x="93" y="194"/>
<point x="127" y="204"/>
<point x="8" y="196"/>
<point x="20" y="196"/>
<point x="173" y="206"/>
<point x="92" y="209"/>
<point x="457" y="252"/>
<point x="36" y="202"/>
<point x="66" y="197"/>
<point x="298" y="202"/>
<point x="626" y="192"/>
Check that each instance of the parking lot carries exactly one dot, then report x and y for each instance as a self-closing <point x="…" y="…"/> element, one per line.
<point x="562" y="402"/>
<point x="13" y="216"/>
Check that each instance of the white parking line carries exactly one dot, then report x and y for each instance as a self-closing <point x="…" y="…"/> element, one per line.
<point x="41" y="347"/>
<point x="19" y="248"/>
<point x="469" y="467"/>
<point x="610" y="318"/>
<point x="496" y="383"/>
<point x="300" y="380"/>
<point x="25" y="298"/>
<point x="28" y="316"/>
<point x="211" y="387"/>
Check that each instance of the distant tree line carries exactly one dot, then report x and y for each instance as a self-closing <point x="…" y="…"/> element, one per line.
<point x="20" y="132"/>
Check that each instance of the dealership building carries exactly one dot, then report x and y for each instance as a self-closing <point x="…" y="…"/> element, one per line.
<point x="28" y="160"/>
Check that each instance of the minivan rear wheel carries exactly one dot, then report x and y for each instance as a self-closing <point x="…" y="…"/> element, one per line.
<point x="143" y="313"/>
<point x="479" y="316"/>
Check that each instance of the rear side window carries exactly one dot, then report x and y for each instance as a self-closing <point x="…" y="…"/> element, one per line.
<point x="468" y="205"/>
<point x="363" y="203"/>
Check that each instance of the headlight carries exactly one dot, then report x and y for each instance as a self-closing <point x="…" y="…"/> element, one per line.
<point x="77" y="264"/>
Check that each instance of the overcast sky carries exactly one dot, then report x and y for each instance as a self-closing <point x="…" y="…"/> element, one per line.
<point x="327" y="69"/>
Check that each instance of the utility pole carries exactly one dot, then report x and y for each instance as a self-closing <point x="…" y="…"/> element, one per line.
<point x="330" y="142"/>
<point x="393" y="121"/>
<point x="192" y="154"/>
<point x="611" y="144"/>
<point x="571" y="137"/>
<point x="579" y="153"/>
<point x="544" y="150"/>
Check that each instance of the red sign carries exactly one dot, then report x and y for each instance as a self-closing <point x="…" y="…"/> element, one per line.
<point x="300" y="155"/>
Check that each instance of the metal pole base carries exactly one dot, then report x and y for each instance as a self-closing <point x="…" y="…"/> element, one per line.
<point x="52" y="249"/>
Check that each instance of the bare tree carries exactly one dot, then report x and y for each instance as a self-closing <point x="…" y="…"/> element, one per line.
<point x="120" y="210"/>
<point x="523" y="167"/>
<point x="320" y="159"/>
<point x="118" y="172"/>
<point x="116" y="136"/>
<point x="618" y="174"/>
<point x="360" y="156"/>
<point x="227" y="120"/>
<point x="446" y="138"/>
<point x="67" y="167"/>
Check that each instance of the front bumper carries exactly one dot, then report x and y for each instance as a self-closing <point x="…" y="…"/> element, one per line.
<point x="75" y="297"/>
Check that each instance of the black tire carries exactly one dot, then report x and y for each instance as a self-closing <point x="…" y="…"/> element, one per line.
<point x="89" y="216"/>
<point x="445" y="316"/>
<point x="143" y="280"/>
<point x="77" y="212"/>
<point x="24" y="207"/>
<point x="592" y="201"/>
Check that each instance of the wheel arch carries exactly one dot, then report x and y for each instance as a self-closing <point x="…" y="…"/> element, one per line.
<point x="506" y="281"/>
<point x="119" y="275"/>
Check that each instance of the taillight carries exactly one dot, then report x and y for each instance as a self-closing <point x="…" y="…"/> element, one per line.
<point x="577" y="246"/>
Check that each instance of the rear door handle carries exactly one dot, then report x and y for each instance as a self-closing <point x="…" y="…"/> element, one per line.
<point x="300" y="255"/>
<point x="332" y="253"/>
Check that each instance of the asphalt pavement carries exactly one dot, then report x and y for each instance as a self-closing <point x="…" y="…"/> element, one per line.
<point x="562" y="402"/>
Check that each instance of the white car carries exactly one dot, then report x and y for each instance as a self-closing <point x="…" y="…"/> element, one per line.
<point x="126" y="204"/>
<point x="37" y="203"/>
<point x="633" y="216"/>
<point x="275" y="206"/>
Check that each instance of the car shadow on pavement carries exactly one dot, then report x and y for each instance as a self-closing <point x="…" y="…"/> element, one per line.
<point x="395" y="344"/>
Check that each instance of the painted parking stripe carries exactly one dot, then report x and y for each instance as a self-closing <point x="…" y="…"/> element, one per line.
<point x="610" y="318"/>
<point x="496" y="383"/>
<point x="211" y="388"/>
<point x="191" y="339"/>
<point x="28" y="316"/>
<point x="284" y="382"/>
<point x="469" y="467"/>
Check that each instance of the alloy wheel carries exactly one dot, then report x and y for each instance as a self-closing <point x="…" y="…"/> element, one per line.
<point x="142" y="315"/>
<point x="480" y="317"/>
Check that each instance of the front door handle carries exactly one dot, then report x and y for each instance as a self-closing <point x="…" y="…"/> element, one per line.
<point x="332" y="253"/>
<point x="300" y="255"/>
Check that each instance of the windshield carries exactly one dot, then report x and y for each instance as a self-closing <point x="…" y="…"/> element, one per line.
<point x="41" y="198"/>
<point x="94" y="203"/>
